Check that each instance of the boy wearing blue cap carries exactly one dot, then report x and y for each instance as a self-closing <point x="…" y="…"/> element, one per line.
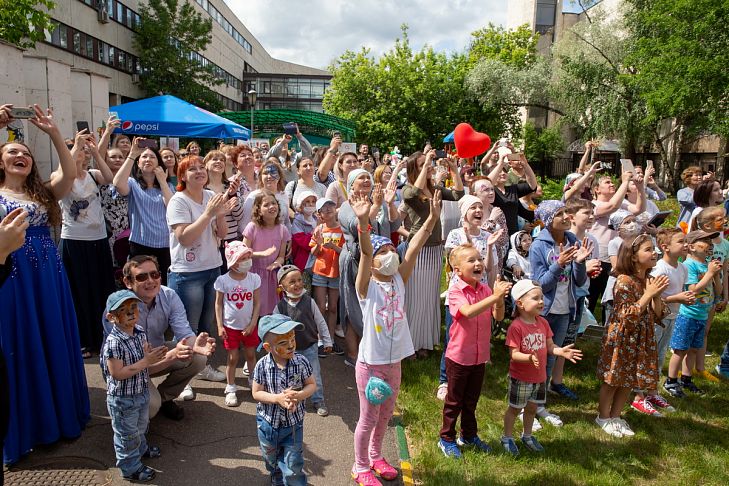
<point x="282" y="380"/>
<point x="126" y="359"/>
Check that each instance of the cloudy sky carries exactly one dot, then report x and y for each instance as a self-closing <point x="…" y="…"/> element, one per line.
<point x="315" y="32"/>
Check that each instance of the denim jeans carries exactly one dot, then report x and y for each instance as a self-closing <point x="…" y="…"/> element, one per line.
<point x="312" y="354"/>
<point x="129" y="420"/>
<point x="282" y="451"/>
<point x="448" y="321"/>
<point x="559" y="323"/>
<point x="197" y="294"/>
<point x="724" y="360"/>
<point x="663" y="338"/>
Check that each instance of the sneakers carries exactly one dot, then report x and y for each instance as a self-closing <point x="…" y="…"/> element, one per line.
<point x="336" y="349"/>
<point x="474" y="442"/>
<point x="450" y="449"/>
<point x="245" y="369"/>
<point x="384" y="470"/>
<point x="509" y="446"/>
<point x="532" y="444"/>
<point x="561" y="390"/>
<point x="623" y="427"/>
<point x="660" y="402"/>
<point x="549" y="417"/>
<point x="322" y="353"/>
<point x="321" y="410"/>
<point x="724" y="374"/>
<point x="187" y="394"/>
<point x="144" y="474"/>
<point x="231" y="399"/>
<point x="706" y="376"/>
<point x="366" y="478"/>
<point x="674" y="389"/>
<point x="535" y="425"/>
<point x="609" y="426"/>
<point x="644" y="406"/>
<point x="442" y="392"/>
<point x="338" y="331"/>
<point x="171" y="410"/>
<point x="350" y="362"/>
<point x="153" y="452"/>
<point x="209" y="374"/>
<point x="691" y="386"/>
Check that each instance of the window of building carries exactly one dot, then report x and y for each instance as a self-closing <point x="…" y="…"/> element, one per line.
<point x="77" y="42"/>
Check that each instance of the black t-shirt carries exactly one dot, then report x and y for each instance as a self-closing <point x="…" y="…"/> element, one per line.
<point x="509" y="203"/>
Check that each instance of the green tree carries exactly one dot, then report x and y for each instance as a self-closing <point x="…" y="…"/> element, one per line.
<point x="170" y="39"/>
<point x="405" y="98"/>
<point x="680" y="55"/>
<point x="25" y="22"/>
<point x="517" y="48"/>
<point x="542" y="145"/>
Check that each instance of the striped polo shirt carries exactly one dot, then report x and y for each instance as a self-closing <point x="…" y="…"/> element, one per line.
<point x="148" y="216"/>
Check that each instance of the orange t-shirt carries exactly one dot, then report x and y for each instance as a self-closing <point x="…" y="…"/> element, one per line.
<point x="327" y="261"/>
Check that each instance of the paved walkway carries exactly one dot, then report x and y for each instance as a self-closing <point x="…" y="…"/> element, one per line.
<point x="214" y="445"/>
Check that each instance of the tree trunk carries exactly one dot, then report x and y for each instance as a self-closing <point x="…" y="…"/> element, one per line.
<point x="669" y="146"/>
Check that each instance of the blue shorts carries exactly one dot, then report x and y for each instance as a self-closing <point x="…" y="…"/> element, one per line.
<point x="322" y="281"/>
<point x="688" y="333"/>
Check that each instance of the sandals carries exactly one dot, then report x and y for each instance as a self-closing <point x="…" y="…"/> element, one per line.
<point x="144" y="474"/>
<point x="153" y="452"/>
<point x="86" y="354"/>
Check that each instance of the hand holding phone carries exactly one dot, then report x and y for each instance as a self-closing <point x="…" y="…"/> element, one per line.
<point x="146" y="143"/>
<point x="440" y="154"/>
<point x="290" y="128"/>
<point x="22" y="113"/>
<point x="82" y="125"/>
<point x="627" y="165"/>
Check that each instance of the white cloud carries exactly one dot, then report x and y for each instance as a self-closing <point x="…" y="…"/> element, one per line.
<point x="315" y="32"/>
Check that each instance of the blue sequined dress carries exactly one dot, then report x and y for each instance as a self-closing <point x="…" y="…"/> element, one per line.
<point x="48" y="394"/>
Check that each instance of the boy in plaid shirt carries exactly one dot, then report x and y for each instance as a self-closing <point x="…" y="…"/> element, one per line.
<point x="125" y="361"/>
<point x="282" y="380"/>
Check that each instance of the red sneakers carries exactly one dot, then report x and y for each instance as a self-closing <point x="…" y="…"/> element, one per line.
<point x="660" y="402"/>
<point x="644" y="406"/>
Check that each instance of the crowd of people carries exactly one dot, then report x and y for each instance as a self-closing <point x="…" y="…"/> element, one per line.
<point x="162" y="257"/>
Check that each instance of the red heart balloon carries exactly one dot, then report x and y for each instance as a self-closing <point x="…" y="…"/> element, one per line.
<point x="469" y="142"/>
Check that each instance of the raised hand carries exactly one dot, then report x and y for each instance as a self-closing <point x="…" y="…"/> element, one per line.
<point x="714" y="267"/>
<point x="234" y="185"/>
<point x="44" y="121"/>
<point x="5" y="117"/>
<point x="568" y="352"/>
<point x="112" y="123"/>
<point x="585" y="250"/>
<point x="230" y="205"/>
<point x="391" y="191"/>
<point x="136" y="150"/>
<point x="566" y="255"/>
<point x="494" y="238"/>
<point x="216" y="204"/>
<point x="657" y="285"/>
<point x="377" y="195"/>
<point x="361" y="206"/>
<point x="436" y="202"/>
<point x="501" y="287"/>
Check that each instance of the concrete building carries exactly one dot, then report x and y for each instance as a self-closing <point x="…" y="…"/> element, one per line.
<point x="89" y="63"/>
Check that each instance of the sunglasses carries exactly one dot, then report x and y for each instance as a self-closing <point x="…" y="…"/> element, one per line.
<point x="142" y="277"/>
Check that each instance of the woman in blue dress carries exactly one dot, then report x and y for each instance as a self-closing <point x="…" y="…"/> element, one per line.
<point x="48" y="394"/>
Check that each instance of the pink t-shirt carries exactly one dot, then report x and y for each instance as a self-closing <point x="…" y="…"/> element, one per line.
<point x="528" y="338"/>
<point x="470" y="338"/>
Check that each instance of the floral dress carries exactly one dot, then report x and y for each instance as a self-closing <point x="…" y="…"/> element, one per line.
<point x="629" y="357"/>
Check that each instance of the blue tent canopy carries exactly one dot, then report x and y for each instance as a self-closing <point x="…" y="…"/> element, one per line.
<point x="167" y="116"/>
<point x="448" y="138"/>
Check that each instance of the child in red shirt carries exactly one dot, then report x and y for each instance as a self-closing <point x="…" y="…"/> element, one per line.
<point x="471" y="305"/>
<point x="530" y="341"/>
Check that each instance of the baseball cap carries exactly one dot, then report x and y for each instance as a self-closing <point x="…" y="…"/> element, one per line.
<point x="277" y="324"/>
<point x="696" y="235"/>
<point x="522" y="287"/>
<point x="283" y="271"/>
<point x="115" y="300"/>
<point x="322" y="201"/>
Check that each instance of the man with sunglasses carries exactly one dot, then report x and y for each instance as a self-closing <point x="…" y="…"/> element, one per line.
<point x="162" y="310"/>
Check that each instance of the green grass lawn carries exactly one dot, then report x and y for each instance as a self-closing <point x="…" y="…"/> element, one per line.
<point x="687" y="447"/>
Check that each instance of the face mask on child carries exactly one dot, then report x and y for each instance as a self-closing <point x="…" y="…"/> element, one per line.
<point x="308" y="210"/>
<point x="389" y="262"/>
<point x="244" y="266"/>
<point x="631" y="229"/>
<point x="291" y="295"/>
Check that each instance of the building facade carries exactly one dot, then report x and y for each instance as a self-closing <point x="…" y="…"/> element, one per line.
<point x="88" y="63"/>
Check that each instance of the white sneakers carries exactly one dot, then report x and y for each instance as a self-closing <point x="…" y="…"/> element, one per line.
<point x="442" y="392"/>
<point x="549" y="417"/>
<point x="231" y="399"/>
<point x="338" y="331"/>
<point x="187" y="394"/>
<point x="209" y="374"/>
<point x="535" y="425"/>
<point x="616" y="427"/>
<point x="245" y="369"/>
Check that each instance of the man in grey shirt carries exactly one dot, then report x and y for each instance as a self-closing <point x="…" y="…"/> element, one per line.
<point x="162" y="313"/>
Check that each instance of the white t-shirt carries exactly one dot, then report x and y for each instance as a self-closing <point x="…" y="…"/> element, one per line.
<point x="237" y="299"/>
<point x="203" y="254"/>
<point x="601" y="232"/>
<point x="676" y="280"/>
<point x="83" y="217"/>
<point x="386" y="335"/>
<point x="613" y="249"/>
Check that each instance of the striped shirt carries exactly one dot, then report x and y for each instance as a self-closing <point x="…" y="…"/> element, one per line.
<point x="275" y="380"/>
<point x="233" y="218"/>
<point x="128" y="349"/>
<point x="148" y="216"/>
<point x="330" y="178"/>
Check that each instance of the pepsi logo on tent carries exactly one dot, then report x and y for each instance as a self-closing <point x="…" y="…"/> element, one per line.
<point x="126" y="125"/>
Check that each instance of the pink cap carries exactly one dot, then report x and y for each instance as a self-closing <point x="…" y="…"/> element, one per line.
<point x="235" y="250"/>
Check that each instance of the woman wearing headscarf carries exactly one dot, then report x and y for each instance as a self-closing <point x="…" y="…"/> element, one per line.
<point x="383" y="221"/>
<point x="423" y="288"/>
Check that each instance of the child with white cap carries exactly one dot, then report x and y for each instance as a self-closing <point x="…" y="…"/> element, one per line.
<point x="237" y="306"/>
<point x="529" y="339"/>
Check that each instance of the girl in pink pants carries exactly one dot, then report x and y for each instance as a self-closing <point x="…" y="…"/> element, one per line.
<point x="386" y="337"/>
